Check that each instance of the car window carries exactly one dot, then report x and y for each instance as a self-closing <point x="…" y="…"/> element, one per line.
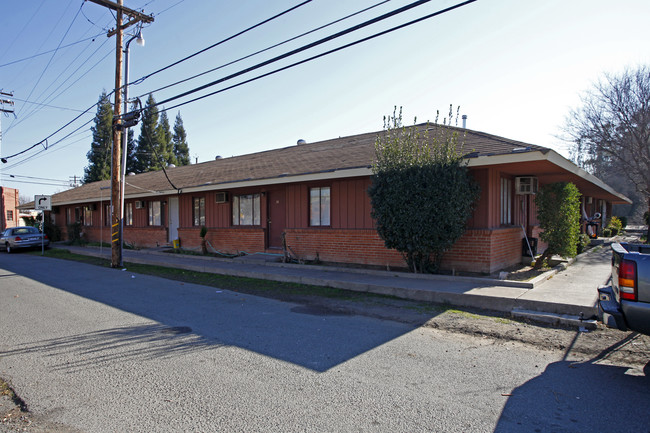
<point x="26" y="231"/>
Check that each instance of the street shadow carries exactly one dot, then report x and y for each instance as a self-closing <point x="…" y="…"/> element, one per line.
<point x="581" y="397"/>
<point x="317" y="340"/>
<point x="123" y="344"/>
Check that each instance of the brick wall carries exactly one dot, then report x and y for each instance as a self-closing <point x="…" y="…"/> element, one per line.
<point x="360" y="246"/>
<point x="148" y="237"/>
<point x="227" y="240"/>
<point x="483" y="251"/>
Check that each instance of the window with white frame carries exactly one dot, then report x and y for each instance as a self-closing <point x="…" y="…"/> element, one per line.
<point x="155" y="213"/>
<point x="246" y="210"/>
<point x="506" y="201"/>
<point x="199" y="211"/>
<point x="319" y="206"/>
<point x="128" y="214"/>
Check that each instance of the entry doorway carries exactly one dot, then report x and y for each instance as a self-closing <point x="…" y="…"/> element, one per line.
<point x="173" y="219"/>
<point x="277" y="214"/>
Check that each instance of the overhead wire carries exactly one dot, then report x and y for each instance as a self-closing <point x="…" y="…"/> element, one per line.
<point x="52" y="98"/>
<point x="47" y="105"/>
<point x="52" y="57"/>
<point x="275" y="59"/>
<point x="91" y="38"/>
<point x="33" y="177"/>
<point x="160" y="70"/>
<point x="229" y="38"/>
<point x="19" y="34"/>
<point x="312" y="45"/>
<point x="138" y="81"/>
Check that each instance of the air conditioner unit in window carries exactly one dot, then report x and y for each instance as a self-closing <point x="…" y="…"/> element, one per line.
<point x="139" y="204"/>
<point x="526" y="185"/>
<point x="222" y="197"/>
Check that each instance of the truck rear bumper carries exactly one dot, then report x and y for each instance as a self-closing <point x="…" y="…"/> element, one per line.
<point x="609" y="310"/>
<point x="637" y="316"/>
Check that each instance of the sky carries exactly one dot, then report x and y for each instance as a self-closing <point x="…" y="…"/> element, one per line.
<point x="515" y="68"/>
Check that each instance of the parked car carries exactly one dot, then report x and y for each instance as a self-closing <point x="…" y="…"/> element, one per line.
<point x="22" y="237"/>
<point x="626" y="303"/>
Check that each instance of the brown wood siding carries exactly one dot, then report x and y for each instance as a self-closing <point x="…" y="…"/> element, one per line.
<point x="297" y="205"/>
<point x="350" y="204"/>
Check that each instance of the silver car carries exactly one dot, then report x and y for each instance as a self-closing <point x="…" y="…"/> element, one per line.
<point x="22" y="237"/>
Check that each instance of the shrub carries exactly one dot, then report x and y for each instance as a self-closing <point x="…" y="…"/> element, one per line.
<point x="607" y="233"/>
<point x="558" y="211"/>
<point x="615" y="226"/>
<point x="623" y="221"/>
<point x="75" y="236"/>
<point x="421" y="192"/>
<point x="583" y="241"/>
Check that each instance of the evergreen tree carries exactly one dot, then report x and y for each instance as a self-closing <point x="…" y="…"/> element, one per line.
<point x="130" y="155"/>
<point x="179" y="141"/>
<point x="147" y="144"/>
<point x="99" y="155"/>
<point x="165" y="145"/>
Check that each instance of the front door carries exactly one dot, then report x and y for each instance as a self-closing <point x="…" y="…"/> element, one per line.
<point x="277" y="214"/>
<point x="173" y="219"/>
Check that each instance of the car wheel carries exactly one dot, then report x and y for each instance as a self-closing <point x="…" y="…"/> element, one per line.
<point x="8" y="247"/>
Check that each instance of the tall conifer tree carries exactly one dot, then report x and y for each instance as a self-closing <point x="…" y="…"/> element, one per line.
<point x="179" y="140"/>
<point x="99" y="155"/>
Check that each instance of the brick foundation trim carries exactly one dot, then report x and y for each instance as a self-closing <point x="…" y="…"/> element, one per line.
<point x="228" y="240"/>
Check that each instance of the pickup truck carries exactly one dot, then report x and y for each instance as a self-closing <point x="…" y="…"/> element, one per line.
<point x="626" y="303"/>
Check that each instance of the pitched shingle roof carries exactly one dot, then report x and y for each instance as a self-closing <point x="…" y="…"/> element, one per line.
<point x="343" y="153"/>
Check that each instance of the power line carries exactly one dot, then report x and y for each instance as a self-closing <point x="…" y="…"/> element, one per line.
<point x="312" y="45"/>
<point x="32" y="177"/>
<point x="290" y="53"/>
<point x="224" y="40"/>
<point x="138" y="81"/>
<point x="52" y="98"/>
<point x="47" y="105"/>
<point x="153" y="73"/>
<point x="91" y="38"/>
<point x="54" y="53"/>
<point x="41" y="153"/>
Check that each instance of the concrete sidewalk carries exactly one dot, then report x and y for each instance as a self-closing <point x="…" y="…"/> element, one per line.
<point x="561" y="297"/>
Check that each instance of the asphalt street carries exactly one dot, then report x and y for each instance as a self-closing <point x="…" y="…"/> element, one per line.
<point x="103" y="350"/>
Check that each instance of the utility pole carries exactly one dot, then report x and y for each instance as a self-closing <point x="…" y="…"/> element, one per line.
<point x="116" y="190"/>
<point x="9" y="102"/>
<point x="74" y="181"/>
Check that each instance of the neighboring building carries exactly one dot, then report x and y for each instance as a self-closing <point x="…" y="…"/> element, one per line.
<point x="311" y="200"/>
<point x="9" y="208"/>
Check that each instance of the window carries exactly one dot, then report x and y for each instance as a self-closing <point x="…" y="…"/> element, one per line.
<point x="319" y="206"/>
<point x="10" y="215"/>
<point x="128" y="214"/>
<point x="246" y="210"/>
<point x="199" y="211"/>
<point x="506" y="201"/>
<point x="87" y="216"/>
<point x="155" y="214"/>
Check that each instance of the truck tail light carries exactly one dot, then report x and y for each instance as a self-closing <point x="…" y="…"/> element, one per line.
<point x="627" y="280"/>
